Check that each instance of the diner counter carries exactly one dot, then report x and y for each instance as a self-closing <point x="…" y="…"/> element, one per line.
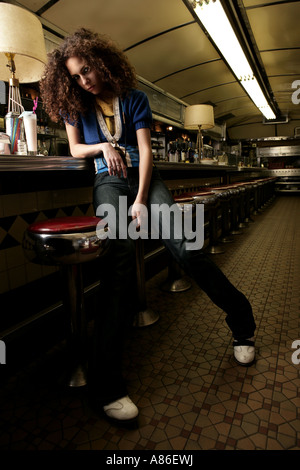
<point x="17" y="163"/>
<point x="26" y="174"/>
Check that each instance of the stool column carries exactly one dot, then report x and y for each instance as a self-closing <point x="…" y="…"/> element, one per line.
<point x="234" y="229"/>
<point x="255" y="198"/>
<point x="214" y="248"/>
<point x="176" y="282"/>
<point x="241" y="208"/>
<point x="248" y="204"/>
<point x="74" y="304"/>
<point x="145" y="316"/>
<point x="225" y="198"/>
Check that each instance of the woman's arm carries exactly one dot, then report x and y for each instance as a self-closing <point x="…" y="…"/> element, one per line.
<point x="146" y="164"/>
<point x="145" y="172"/>
<point x="115" y="164"/>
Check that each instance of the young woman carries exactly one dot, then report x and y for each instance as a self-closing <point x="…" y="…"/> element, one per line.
<point x="90" y="85"/>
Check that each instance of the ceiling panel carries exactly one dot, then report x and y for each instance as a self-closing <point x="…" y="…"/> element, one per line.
<point x="126" y="21"/>
<point x="172" y="52"/>
<point x="237" y="107"/>
<point x="283" y="94"/>
<point x="282" y="62"/>
<point x="275" y="26"/>
<point x="230" y="91"/>
<point x="252" y="3"/>
<point x="185" y="83"/>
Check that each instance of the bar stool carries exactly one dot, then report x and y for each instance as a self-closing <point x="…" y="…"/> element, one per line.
<point x="241" y="206"/>
<point x="175" y="281"/>
<point x="259" y="194"/>
<point x="225" y="196"/>
<point x="214" y="247"/>
<point x="269" y="190"/>
<point x="249" y="188"/>
<point x="145" y="315"/>
<point x="254" y="199"/>
<point x="234" y="211"/>
<point x="68" y="242"/>
<point x="264" y="184"/>
<point x="211" y="207"/>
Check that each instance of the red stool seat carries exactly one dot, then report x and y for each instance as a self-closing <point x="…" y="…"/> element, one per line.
<point x="65" y="240"/>
<point x="65" y="225"/>
<point x="183" y="199"/>
<point x="198" y="194"/>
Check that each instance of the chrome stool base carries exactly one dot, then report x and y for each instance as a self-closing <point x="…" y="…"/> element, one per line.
<point x="176" y="285"/>
<point x="145" y="318"/>
<point x="175" y="281"/>
<point x="226" y="240"/>
<point x="215" y="250"/>
<point x="78" y="377"/>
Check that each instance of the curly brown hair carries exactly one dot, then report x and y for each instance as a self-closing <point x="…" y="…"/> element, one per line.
<point x="61" y="94"/>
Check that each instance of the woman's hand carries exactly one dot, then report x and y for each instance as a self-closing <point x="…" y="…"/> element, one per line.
<point x="115" y="164"/>
<point x="114" y="161"/>
<point x="139" y="213"/>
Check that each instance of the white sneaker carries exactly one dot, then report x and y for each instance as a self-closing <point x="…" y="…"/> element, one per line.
<point x="123" y="409"/>
<point x="244" y="351"/>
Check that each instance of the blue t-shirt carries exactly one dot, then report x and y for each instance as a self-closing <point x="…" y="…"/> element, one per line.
<point x="135" y="114"/>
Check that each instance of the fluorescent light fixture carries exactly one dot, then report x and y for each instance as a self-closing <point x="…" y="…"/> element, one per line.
<point x="214" y="19"/>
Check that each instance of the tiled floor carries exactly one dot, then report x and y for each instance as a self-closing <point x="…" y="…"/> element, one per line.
<point x="191" y="394"/>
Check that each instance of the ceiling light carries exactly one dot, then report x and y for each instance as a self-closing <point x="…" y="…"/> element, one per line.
<point x="215" y="21"/>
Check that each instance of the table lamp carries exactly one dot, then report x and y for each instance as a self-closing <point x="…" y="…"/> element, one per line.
<point x="199" y="116"/>
<point x="22" y="52"/>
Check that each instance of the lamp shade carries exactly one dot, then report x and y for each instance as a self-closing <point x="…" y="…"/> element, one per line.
<point x="21" y="33"/>
<point x="199" y="115"/>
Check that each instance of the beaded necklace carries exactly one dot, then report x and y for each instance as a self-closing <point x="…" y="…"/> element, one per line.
<point x="118" y="124"/>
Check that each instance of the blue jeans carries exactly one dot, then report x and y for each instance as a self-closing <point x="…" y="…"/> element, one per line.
<point x="118" y="287"/>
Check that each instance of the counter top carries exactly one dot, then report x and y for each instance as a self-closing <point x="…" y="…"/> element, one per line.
<point x="201" y="166"/>
<point x="40" y="163"/>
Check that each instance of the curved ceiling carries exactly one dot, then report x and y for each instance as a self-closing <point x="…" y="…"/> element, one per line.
<point x="168" y="48"/>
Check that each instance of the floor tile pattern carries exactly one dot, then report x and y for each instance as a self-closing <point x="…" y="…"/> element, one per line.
<point x="180" y="372"/>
